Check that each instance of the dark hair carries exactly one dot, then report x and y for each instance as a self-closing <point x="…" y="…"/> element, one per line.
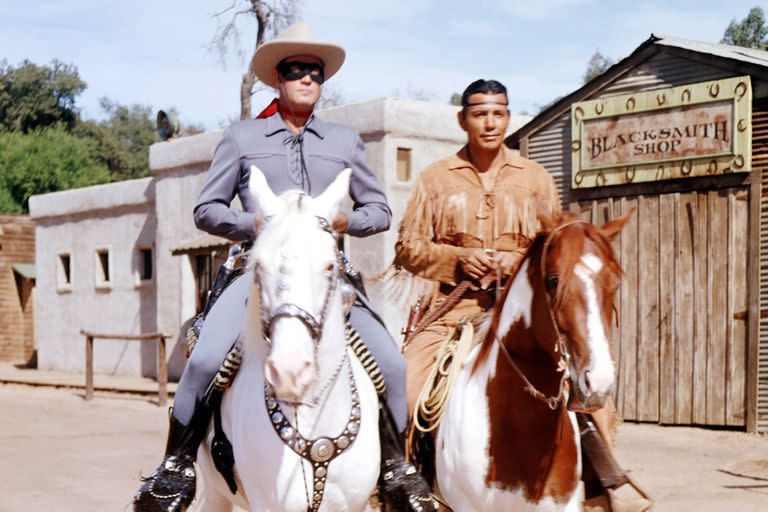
<point x="482" y="87"/>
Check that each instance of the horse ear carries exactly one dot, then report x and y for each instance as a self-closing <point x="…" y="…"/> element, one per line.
<point x="612" y="228"/>
<point x="269" y="203"/>
<point x="330" y="203"/>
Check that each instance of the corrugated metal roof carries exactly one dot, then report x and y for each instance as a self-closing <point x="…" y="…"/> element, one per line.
<point x="205" y="242"/>
<point x="727" y="51"/>
<point x="653" y="44"/>
<point x="25" y="270"/>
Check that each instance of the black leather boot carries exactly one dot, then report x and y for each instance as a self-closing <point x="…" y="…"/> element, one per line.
<point x="171" y="487"/>
<point x="402" y="486"/>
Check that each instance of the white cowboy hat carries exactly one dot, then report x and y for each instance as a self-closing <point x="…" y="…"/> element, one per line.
<point x="298" y="39"/>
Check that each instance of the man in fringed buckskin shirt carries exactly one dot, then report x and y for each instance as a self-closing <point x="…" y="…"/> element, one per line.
<point x="469" y="215"/>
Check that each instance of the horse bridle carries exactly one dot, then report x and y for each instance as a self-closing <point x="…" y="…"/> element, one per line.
<point x="290" y="310"/>
<point x="321" y="451"/>
<point x="564" y="363"/>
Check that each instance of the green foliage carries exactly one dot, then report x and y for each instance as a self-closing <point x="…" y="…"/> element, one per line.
<point x="598" y="64"/>
<point x="44" y="144"/>
<point x="33" y="96"/>
<point x="45" y="160"/>
<point x="455" y="99"/>
<point x="751" y="32"/>
<point x="122" y="139"/>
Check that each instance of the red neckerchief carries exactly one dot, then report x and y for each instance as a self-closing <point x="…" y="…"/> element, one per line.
<point x="269" y="111"/>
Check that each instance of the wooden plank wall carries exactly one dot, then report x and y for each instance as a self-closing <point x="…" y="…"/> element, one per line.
<point x="681" y="343"/>
<point x="17" y="245"/>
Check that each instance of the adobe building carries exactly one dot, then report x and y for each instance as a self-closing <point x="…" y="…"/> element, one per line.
<point x="126" y="257"/>
<point x="677" y="131"/>
<point x="17" y="289"/>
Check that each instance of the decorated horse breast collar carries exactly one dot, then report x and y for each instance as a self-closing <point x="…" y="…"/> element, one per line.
<point x="318" y="452"/>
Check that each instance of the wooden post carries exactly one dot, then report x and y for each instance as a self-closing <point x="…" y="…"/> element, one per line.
<point x="162" y="371"/>
<point x="89" y="367"/>
<point x="162" y="368"/>
<point x="753" y="300"/>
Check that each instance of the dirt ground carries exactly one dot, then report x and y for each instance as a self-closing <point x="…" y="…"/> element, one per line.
<point x="58" y="452"/>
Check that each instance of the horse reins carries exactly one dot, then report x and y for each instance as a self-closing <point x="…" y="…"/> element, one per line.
<point x="563" y="364"/>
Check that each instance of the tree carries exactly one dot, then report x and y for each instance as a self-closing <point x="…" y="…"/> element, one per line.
<point x="598" y="64"/>
<point x="751" y="32"/>
<point x="33" y="96"/>
<point x="123" y="138"/>
<point x="272" y="16"/>
<point x="455" y="99"/>
<point x="412" y="92"/>
<point x="45" y="160"/>
<point x="330" y="96"/>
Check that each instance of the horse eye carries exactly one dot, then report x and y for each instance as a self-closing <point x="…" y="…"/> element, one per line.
<point x="551" y="283"/>
<point x="329" y="269"/>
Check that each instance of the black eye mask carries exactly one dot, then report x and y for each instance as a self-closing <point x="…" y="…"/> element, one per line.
<point x="292" y="70"/>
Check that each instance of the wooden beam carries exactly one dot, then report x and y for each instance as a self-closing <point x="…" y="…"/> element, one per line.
<point x="88" y="367"/>
<point x="753" y="299"/>
<point x="162" y="372"/>
<point x="125" y="337"/>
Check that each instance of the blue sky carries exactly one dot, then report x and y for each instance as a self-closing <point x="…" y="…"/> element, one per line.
<point x="155" y="52"/>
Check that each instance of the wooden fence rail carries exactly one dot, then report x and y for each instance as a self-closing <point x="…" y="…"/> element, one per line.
<point x="162" y="365"/>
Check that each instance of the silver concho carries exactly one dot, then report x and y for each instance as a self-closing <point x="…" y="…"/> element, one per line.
<point x="322" y="450"/>
<point x="342" y="442"/>
<point x="286" y="433"/>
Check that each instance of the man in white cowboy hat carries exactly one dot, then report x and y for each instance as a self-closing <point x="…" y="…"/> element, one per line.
<point x="295" y="150"/>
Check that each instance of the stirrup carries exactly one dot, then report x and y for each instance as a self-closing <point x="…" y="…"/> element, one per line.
<point x="171" y="488"/>
<point x="404" y="489"/>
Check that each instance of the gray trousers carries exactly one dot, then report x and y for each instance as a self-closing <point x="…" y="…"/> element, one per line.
<point x="225" y="322"/>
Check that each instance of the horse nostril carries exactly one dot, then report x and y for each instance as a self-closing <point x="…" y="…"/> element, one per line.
<point x="585" y="384"/>
<point x="304" y="375"/>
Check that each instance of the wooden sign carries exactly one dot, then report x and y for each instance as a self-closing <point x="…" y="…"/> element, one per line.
<point x="693" y="130"/>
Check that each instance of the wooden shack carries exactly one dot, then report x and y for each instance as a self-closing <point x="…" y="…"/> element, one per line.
<point x="678" y="131"/>
<point x="17" y="281"/>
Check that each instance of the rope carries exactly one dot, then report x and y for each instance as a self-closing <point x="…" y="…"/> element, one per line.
<point x="449" y="361"/>
<point x="438" y="312"/>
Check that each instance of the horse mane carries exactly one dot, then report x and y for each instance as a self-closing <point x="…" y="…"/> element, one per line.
<point x="549" y="224"/>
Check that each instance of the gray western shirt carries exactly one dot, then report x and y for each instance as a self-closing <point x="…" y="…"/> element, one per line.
<point x="328" y="148"/>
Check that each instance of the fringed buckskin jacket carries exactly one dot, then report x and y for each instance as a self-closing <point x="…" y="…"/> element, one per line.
<point x="450" y="212"/>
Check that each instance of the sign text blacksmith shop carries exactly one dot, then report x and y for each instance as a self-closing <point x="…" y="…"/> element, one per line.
<point x="694" y="130"/>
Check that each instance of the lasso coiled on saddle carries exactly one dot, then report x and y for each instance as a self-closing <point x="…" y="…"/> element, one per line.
<point x="449" y="361"/>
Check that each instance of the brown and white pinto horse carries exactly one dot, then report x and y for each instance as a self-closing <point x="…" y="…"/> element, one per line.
<point x="507" y="440"/>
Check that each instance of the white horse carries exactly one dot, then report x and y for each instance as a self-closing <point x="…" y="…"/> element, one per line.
<point x="325" y="405"/>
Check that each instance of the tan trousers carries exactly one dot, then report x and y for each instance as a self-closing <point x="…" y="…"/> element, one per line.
<point x="420" y="352"/>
